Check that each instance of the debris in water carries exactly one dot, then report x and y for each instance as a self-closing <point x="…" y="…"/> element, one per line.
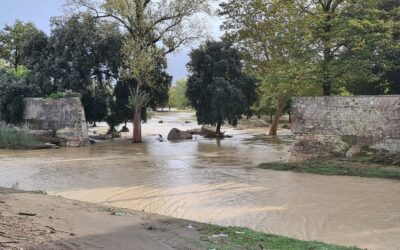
<point x="190" y="226"/>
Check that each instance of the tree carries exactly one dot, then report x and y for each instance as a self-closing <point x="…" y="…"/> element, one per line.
<point x="294" y="46"/>
<point x="217" y="87"/>
<point x="13" y="89"/>
<point x="338" y="35"/>
<point x="391" y="53"/>
<point x="157" y="87"/>
<point x="83" y="55"/>
<point x="154" y="28"/>
<point x="345" y="33"/>
<point x="177" y="95"/>
<point x="274" y="50"/>
<point x="39" y="61"/>
<point x="12" y="41"/>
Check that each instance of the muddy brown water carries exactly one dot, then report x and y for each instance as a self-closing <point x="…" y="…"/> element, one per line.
<point x="216" y="182"/>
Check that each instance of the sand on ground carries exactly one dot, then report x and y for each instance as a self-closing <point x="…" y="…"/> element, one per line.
<point x="38" y="221"/>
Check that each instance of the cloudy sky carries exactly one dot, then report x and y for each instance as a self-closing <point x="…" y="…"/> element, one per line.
<point x="40" y="11"/>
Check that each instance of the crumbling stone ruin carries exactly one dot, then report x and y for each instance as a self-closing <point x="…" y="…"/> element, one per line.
<point x="345" y="126"/>
<point x="63" y="118"/>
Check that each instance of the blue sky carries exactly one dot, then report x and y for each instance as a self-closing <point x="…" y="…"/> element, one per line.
<point x="40" y="11"/>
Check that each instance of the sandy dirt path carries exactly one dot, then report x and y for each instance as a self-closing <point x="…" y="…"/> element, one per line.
<point x="37" y="221"/>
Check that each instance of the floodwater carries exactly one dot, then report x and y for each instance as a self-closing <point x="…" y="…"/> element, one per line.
<point x="217" y="182"/>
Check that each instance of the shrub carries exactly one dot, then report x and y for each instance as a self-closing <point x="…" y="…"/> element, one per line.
<point x="56" y="95"/>
<point x="66" y="94"/>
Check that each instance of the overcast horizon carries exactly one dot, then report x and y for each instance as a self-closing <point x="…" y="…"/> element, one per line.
<point x="39" y="12"/>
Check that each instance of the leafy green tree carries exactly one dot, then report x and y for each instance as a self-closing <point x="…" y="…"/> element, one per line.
<point x="13" y="89"/>
<point x="339" y="37"/>
<point x="217" y="87"/>
<point x="83" y="55"/>
<point x="153" y="29"/>
<point x="346" y="33"/>
<point x="84" y="52"/>
<point x="177" y="95"/>
<point x="12" y="41"/>
<point x="386" y="58"/>
<point x="274" y="50"/>
<point x="39" y="61"/>
<point x="158" y="86"/>
<point x="294" y="46"/>
<point x="96" y="105"/>
<point x="391" y="53"/>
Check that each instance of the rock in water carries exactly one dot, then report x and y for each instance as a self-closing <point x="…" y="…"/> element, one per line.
<point x="209" y="132"/>
<point x="176" y="135"/>
<point x="196" y="131"/>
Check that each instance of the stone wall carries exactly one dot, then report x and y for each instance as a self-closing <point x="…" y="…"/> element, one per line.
<point x="63" y="118"/>
<point x="344" y="126"/>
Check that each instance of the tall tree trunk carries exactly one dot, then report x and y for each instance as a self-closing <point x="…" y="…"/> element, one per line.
<point x="326" y="78"/>
<point x="137" y="124"/>
<point x="279" y="112"/>
<point x="218" y="131"/>
<point x="137" y="127"/>
<point x="327" y="53"/>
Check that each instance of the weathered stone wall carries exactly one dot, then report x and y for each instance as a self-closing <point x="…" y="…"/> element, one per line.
<point x="63" y="117"/>
<point x="343" y="126"/>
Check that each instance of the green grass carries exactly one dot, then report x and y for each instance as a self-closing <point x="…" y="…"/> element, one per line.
<point x="355" y="167"/>
<point x="15" y="139"/>
<point x="243" y="238"/>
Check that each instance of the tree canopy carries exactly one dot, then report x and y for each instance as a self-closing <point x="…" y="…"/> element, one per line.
<point x="217" y="87"/>
<point x="153" y="29"/>
<point x="313" y="47"/>
<point x="13" y="39"/>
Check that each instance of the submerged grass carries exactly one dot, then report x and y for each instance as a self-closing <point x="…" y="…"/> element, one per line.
<point x="353" y="167"/>
<point x="15" y="139"/>
<point x="243" y="238"/>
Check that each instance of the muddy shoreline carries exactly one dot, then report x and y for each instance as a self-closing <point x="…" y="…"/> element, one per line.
<point x="30" y="220"/>
<point x="37" y="221"/>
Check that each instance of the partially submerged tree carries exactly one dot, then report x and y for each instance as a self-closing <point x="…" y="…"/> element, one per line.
<point x="154" y="28"/>
<point x="217" y="87"/>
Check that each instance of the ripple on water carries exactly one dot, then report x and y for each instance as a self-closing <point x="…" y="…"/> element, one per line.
<point x="215" y="181"/>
